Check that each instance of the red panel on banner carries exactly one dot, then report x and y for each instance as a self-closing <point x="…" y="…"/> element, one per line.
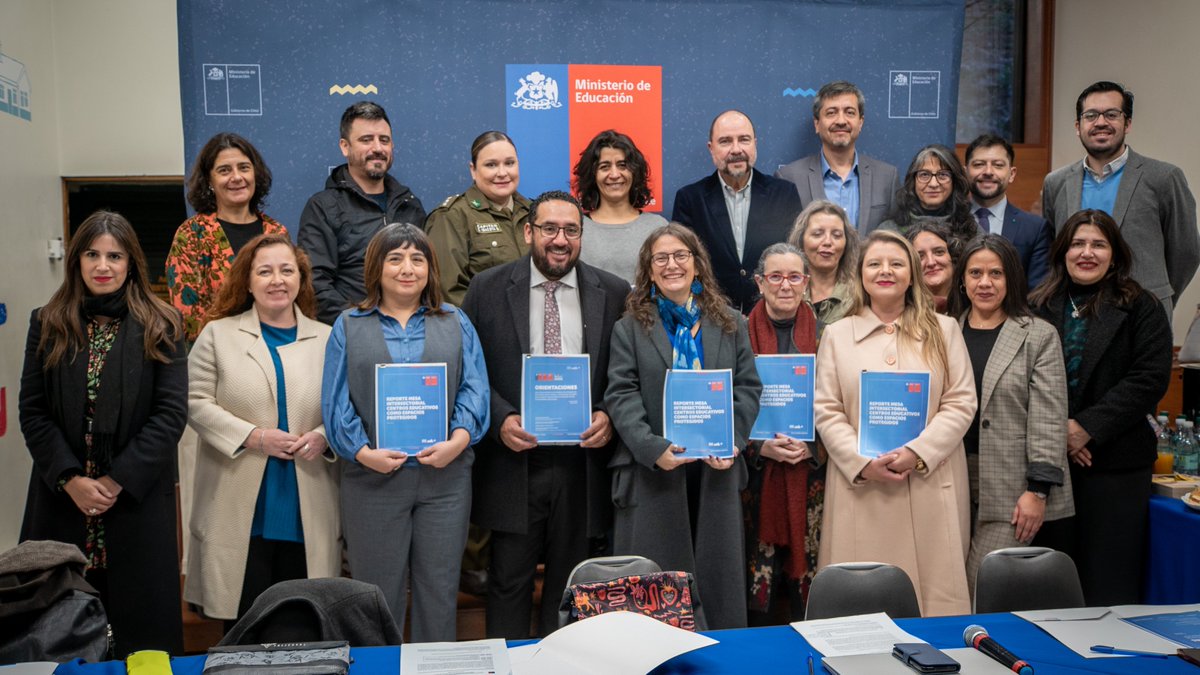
<point x="625" y="98"/>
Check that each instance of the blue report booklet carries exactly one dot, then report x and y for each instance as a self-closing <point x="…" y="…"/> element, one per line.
<point x="1181" y="627"/>
<point x="786" y="404"/>
<point x="698" y="412"/>
<point x="556" y="397"/>
<point x="410" y="406"/>
<point x="893" y="408"/>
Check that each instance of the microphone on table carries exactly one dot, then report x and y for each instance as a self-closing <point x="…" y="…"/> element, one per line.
<point x="977" y="636"/>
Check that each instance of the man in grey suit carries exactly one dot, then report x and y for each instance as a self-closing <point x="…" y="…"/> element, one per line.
<point x="1149" y="199"/>
<point x="863" y="186"/>
<point x="542" y="503"/>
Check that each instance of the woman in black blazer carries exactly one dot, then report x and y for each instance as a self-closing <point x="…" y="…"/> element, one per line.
<point x="1117" y="347"/>
<point x="103" y="402"/>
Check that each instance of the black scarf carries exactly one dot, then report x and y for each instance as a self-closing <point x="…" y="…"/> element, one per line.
<point x="118" y="379"/>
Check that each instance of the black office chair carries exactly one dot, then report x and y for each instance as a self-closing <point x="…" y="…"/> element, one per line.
<point x="846" y="589"/>
<point x="312" y="610"/>
<point x="1026" y="578"/>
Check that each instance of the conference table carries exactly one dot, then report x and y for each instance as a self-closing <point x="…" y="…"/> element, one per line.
<point x="780" y="649"/>
<point x="1173" y="560"/>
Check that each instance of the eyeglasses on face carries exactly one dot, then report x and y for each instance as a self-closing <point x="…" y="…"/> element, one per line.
<point x="926" y="176"/>
<point x="551" y="231"/>
<point x="777" y="278"/>
<point x="661" y="259"/>
<point x="1112" y="115"/>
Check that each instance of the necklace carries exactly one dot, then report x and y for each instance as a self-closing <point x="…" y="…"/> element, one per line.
<point x="1075" y="311"/>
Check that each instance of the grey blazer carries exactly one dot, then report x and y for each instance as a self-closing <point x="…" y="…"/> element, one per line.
<point x="1156" y="213"/>
<point x="1023" y="420"/>
<point x="652" y="514"/>
<point x="877" y="185"/>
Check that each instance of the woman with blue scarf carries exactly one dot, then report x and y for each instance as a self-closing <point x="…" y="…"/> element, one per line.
<point x="684" y="514"/>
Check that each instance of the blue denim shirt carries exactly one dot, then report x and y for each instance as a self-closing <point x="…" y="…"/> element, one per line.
<point x="406" y="344"/>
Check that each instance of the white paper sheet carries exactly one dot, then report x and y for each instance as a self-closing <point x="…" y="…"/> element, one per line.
<point x="614" y="643"/>
<point x="478" y="657"/>
<point x="1079" y="629"/>
<point x="852" y="635"/>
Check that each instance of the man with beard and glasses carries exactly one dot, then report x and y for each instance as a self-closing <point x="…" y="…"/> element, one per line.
<point x="863" y="186"/>
<point x="359" y="199"/>
<point x="990" y="170"/>
<point x="737" y="211"/>
<point x="1149" y="199"/>
<point x="542" y="503"/>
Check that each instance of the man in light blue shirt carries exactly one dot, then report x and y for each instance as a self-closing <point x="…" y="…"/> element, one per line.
<point x="863" y="186"/>
<point x="1150" y="200"/>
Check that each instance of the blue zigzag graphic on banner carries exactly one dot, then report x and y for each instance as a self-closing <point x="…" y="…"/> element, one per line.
<point x="356" y="89"/>
<point x="799" y="92"/>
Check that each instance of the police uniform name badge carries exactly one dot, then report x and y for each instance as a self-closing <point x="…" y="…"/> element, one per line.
<point x="487" y="228"/>
<point x="410" y="406"/>
<point x="786" y="404"/>
<point x="556" y="397"/>
<point x="698" y="412"/>
<point x="893" y="408"/>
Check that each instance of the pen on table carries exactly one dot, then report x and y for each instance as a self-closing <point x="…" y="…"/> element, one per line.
<point x="1105" y="649"/>
<point x="810" y="664"/>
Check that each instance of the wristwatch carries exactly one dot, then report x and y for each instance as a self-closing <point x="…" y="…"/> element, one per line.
<point x="1040" y="495"/>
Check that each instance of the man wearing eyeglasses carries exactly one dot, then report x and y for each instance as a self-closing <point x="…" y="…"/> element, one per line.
<point x="738" y="210"/>
<point x="1149" y="199"/>
<point x="542" y="503"/>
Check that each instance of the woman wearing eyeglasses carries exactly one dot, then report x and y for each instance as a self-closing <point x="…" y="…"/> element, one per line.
<point x="787" y="479"/>
<point x="684" y="514"/>
<point x="935" y="187"/>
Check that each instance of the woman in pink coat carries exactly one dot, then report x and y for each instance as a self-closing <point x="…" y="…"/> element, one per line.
<point x="907" y="507"/>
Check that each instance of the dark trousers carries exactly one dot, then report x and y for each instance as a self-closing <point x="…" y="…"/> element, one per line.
<point x="1111" y="513"/>
<point x="267" y="563"/>
<point x="556" y="534"/>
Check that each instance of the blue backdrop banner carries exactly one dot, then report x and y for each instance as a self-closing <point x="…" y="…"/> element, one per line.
<point x="280" y="72"/>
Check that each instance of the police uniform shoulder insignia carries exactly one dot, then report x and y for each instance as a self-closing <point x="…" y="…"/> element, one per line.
<point x="449" y="199"/>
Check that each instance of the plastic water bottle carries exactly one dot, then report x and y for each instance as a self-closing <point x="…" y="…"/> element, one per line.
<point x="1166" y="451"/>
<point x="1187" y="454"/>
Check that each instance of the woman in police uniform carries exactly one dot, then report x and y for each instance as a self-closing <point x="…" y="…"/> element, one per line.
<point x="481" y="228"/>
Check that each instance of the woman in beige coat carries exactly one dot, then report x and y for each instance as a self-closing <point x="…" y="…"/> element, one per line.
<point x="266" y="506"/>
<point x="907" y="507"/>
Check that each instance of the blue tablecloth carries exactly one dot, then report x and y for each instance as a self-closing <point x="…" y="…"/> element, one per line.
<point x="780" y="649"/>
<point x="1173" y="570"/>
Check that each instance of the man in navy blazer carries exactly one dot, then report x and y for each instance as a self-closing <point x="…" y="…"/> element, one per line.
<point x="737" y="211"/>
<point x="990" y="170"/>
<point x="865" y="187"/>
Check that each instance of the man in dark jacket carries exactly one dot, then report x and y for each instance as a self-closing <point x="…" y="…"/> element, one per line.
<point x="359" y="198"/>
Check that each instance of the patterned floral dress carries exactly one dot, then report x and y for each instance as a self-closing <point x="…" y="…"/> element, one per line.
<point x="199" y="259"/>
<point x="100" y="341"/>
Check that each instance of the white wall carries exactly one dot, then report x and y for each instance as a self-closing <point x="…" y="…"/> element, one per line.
<point x="31" y="213"/>
<point x="105" y="101"/>
<point x="1148" y="46"/>
<point x="118" y="87"/>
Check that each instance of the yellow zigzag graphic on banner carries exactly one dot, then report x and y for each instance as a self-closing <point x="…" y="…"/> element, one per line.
<point x="356" y="89"/>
